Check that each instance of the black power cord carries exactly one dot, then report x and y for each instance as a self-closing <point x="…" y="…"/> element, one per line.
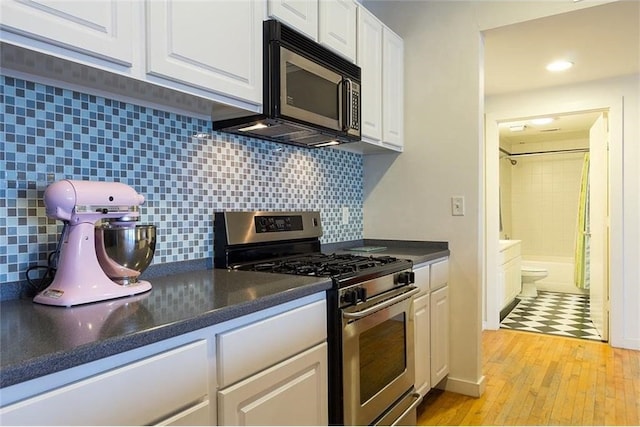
<point x="38" y="285"/>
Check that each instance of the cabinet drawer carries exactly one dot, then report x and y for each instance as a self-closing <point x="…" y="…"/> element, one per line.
<point x="246" y="350"/>
<point x="422" y="278"/>
<point x="140" y="393"/>
<point x="439" y="274"/>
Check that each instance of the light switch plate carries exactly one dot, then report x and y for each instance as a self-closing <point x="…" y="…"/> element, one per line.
<point x="457" y="205"/>
<point x="345" y="215"/>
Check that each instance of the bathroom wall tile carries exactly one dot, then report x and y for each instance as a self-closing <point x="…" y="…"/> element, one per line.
<point x="544" y="197"/>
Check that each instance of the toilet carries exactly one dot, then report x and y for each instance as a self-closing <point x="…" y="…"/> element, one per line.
<point x="530" y="275"/>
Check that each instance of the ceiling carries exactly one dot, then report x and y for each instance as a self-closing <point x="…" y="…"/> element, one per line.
<point x="563" y="128"/>
<point x="603" y="42"/>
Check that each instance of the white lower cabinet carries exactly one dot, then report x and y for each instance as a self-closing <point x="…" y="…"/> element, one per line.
<point x="153" y="390"/>
<point x="266" y="368"/>
<point x="421" y="321"/>
<point x="431" y="320"/>
<point x="274" y="372"/>
<point x="293" y="392"/>
<point x="510" y="272"/>
<point x="439" y="335"/>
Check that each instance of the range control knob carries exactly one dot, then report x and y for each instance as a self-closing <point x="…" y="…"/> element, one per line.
<point x="406" y="278"/>
<point x="350" y="296"/>
<point x="362" y="294"/>
<point x="353" y="295"/>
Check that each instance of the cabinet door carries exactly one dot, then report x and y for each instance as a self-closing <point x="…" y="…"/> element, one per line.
<point x="103" y="29"/>
<point x="337" y="27"/>
<point x="370" y="61"/>
<point x="215" y="46"/>
<point x="136" y="394"/>
<point x="439" y="274"/>
<point x="421" y="323"/>
<point x="197" y="415"/>
<point x="392" y="89"/>
<point x="301" y="15"/>
<point x="293" y="392"/>
<point x="511" y="273"/>
<point x="439" y="335"/>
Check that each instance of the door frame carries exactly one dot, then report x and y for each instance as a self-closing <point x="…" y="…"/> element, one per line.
<point x="614" y="106"/>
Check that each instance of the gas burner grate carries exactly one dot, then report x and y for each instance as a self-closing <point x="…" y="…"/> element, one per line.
<point x="322" y="265"/>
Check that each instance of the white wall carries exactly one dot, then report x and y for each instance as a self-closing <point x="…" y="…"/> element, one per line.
<point x="407" y="196"/>
<point x="622" y="97"/>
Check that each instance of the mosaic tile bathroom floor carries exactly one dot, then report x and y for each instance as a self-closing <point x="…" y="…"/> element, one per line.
<point x="553" y="313"/>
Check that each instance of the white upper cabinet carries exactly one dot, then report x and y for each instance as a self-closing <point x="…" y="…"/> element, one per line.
<point x="214" y="46"/>
<point x="392" y="89"/>
<point x="337" y="27"/>
<point x="370" y="61"/>
<point x="102" y="29"/>
<point x="301" y="15"/>
<point x="381" y="58"/>
<point x="332" y="23"/>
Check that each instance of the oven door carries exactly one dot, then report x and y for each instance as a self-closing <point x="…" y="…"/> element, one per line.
<point x="310" y="92"/>
<point x="378" y="358"/>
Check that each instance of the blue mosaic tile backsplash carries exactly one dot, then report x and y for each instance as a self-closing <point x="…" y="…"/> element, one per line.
<point x="49" y="133"/>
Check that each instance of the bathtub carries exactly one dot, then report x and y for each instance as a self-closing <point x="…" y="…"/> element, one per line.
<point x="560" y="278"/>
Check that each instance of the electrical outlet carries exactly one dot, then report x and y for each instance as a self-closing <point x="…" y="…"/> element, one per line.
<point x="457" y="205"/>
<point x="345" y="215"/>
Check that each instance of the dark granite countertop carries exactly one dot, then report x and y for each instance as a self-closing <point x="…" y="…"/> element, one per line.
<point x="37" y="340"/>
<point x="417" y="251"/>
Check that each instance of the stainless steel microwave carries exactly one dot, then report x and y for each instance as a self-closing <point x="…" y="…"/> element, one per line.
<point x="311" y="96"/>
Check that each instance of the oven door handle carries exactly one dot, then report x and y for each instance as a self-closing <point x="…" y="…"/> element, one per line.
<point x="414" y="405"/>
<point x="385" y="304"/>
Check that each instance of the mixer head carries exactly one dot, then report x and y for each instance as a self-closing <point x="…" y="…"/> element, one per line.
<point x="89" y="201"/>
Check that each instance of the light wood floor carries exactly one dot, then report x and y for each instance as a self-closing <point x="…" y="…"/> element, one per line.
<point x="535" y="379"/>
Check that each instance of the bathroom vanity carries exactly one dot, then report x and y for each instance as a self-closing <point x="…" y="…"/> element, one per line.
<point x="509" y="273"/>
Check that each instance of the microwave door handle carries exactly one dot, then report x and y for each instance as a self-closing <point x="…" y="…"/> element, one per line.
<point x="341" y="89"/>
<point x="349" y="94"/>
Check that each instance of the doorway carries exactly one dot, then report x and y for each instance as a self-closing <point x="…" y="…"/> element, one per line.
<point x="591" y="128"/>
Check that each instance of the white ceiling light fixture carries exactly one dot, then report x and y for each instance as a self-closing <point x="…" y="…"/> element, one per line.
<point x="542" y="121"/>
<point x="561" y="65"/>
<point x="517" y="128"/>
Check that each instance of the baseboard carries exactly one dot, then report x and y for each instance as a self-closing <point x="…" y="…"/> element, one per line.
<point x="468" y="388"/>
<point x="505" y="311"/>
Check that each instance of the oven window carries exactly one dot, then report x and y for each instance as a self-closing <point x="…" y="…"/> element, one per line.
<point x="382" y="355"/>
<point x="311" y="92"/>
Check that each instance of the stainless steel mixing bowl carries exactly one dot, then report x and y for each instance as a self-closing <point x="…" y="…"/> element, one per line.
<point x="125" y="251"/>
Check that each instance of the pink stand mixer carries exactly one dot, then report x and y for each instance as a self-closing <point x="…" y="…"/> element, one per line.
<point x="102" y="250"/>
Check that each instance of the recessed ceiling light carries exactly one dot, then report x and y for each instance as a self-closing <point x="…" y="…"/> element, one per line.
<point x="559" y="65"/>
<point x="542" y="121"/>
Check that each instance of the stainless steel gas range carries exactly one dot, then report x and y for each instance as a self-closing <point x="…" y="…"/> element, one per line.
<point x="369" y="322"/>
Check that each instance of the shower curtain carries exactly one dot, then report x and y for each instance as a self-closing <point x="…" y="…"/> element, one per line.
<point x="581" y="276"/>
